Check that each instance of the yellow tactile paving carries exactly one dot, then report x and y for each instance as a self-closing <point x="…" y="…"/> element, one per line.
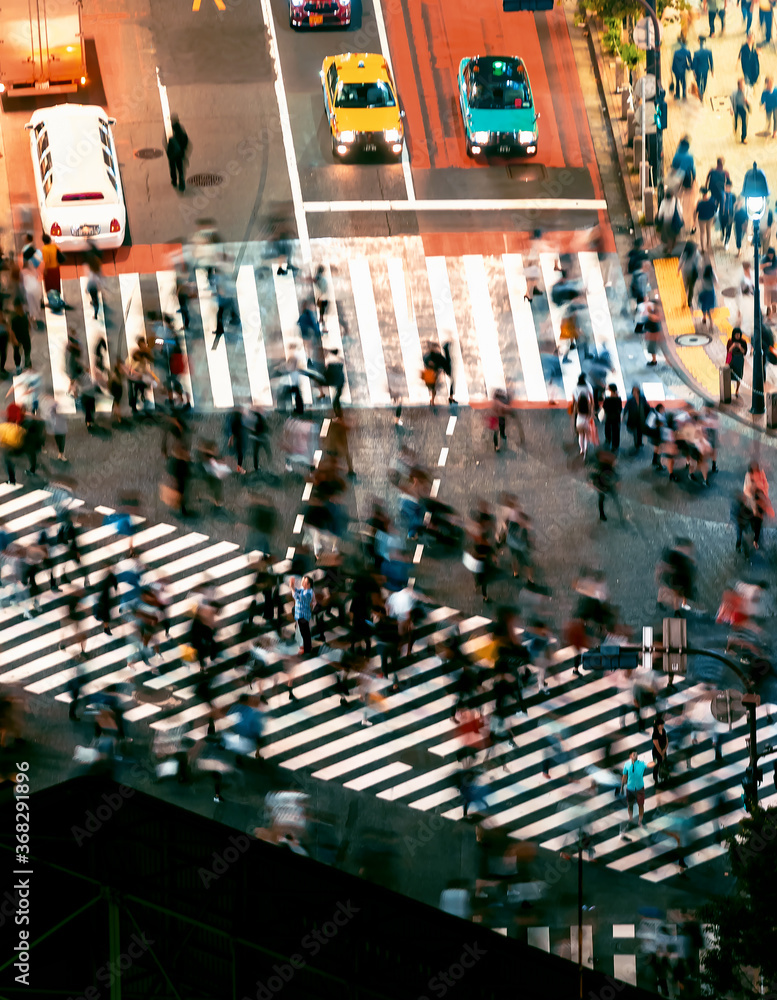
<point x="680" y="320"/>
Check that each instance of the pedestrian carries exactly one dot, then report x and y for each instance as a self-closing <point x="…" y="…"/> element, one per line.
<point x="20" y="338"/>
<point x="736" y="351"/>
<point x="681" y="64"/>
<point x="756" y="489"/>
<point x="633" y="779"/>
<point x="258" y="435"/>
<point x="177" y="146"/>
<point x="766" y="17"/>
<point x="52" y="257"/>
<point x="236" y="436"/>
<point x="304" y="600"/>
<point x="750" y="63"/>
<point x="707" y="293"/>
<point x="86" y="391"/>
<point x="12" y="440"/>
<point x="605" y="479"/>
<point x="726" y="214"/>
<point x="116" y="390"/>
<point x="652" y="332"/>
<point x="660" y="742"/>
<point x="741" y="515"/>
<point x="706" y="208"/>
<point x="702" y="61"/>
<point x="715" y="8"/>
<point x="322" y="294"/>
<point x="671" y="222"/>
<point x="747" y="14"/>
<point x="94" y="282"/>
<point x="741" y="223"/>
<point x="635" y="413"/>
<point x="104" y="601"/>
<point x="613" y="410"/>
<point x="583" y="411"/>
<point x="688" y="268"/>
<point x="740" y="108"/>
<point x="684" y="176"/>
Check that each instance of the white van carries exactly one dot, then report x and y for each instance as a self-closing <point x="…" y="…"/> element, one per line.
<point x="77" y="177"/>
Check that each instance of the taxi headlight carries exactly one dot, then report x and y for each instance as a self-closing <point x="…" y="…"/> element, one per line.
<point x="481" y="138"/>
<point x="347" y="136"/>
<point x="526" y="137"/>
<point x="392" y="134"/>
<point x="297" y="3"/>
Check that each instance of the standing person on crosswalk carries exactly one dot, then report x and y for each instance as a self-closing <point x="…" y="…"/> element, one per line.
<point x="106" y="596"/>
<point x="304" y="599"/>
<point x="583" y="412"/>
<point x="634" y="782"/>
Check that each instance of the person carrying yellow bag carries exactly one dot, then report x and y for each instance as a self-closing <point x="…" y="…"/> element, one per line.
<point x="12" y="436"/>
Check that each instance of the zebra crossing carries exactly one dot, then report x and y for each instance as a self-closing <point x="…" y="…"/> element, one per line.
<point x="409" y="753"/>
<point x="383" y="308"/>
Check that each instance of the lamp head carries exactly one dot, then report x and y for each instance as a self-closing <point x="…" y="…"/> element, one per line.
<point x="755" y="191"/>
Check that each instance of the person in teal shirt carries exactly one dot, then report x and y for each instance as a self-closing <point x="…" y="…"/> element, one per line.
<point x="634" y="780"/>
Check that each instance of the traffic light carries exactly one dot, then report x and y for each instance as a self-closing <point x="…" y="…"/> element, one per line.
<point x="675" y="644"/>
<point x="610" y="658"/>
<point x="660" y="115"/>
<point x="510" y="6"/>
<point x="750" y="783"/>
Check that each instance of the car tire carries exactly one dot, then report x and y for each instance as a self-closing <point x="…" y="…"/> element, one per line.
<point x="470" y="154"/>
<point x="335" y="155"/>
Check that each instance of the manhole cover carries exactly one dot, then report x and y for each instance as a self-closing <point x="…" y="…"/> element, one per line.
<point x="729" y="293"/>
<point x="693" y="340"/>
<point x="527" y="172"/>
<point x="720" y="103"/>
<point x="148" y="153"/>
<point x="205" y="180"/>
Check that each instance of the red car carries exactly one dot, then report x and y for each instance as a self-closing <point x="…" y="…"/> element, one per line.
<point x="319" y="13"/>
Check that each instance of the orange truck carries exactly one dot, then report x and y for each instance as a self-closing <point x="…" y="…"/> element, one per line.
<point x="41" y="47"/>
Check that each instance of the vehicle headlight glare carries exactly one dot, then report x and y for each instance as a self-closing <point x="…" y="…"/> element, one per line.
<point x="297" y="3"/>
<point x="481" y="138"/>
<point x="525" y="137"/>
<point x="392" y="134"/>
<point x="346" y="136"/>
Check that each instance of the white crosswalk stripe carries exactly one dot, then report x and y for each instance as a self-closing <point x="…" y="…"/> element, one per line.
<point x="382" y="312"/>
<point x="409" y="754"/>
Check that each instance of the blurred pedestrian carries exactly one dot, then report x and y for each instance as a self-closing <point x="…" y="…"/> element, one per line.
<point x="635" y="414"/>
<point x="702" y="60"/>
<point x="612" y="405"/>
<point x="660" y="742"/>
<point x="605" y="481"/>
<point x="736" y="351"/>
<point x="176" y="149"/>
<point x="740" y="108"/>
<point x="633" y="780"/>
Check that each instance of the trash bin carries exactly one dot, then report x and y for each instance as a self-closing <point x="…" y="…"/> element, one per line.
<point x="725" y="384"/>
<point x="771" y="409"/>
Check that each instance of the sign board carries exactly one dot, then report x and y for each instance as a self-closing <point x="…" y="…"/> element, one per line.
<point x="727" y="707"/>
<point x="645" y="87"/>
<point x="645" y="34"/>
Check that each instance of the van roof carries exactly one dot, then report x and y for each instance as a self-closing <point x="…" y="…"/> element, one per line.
<point x="76" y="152"/>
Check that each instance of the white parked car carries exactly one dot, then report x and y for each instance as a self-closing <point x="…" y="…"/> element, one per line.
<point x="77" y="177"/>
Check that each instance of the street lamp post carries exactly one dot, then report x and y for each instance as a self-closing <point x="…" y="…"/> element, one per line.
<point x="755" y="191"/>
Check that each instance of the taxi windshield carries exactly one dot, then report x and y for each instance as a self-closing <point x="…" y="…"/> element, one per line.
<point x="499" y="85"/>
<point x="364" y="95"/>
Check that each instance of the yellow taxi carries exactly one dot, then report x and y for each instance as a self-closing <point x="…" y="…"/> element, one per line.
<point x="362" y="106"/>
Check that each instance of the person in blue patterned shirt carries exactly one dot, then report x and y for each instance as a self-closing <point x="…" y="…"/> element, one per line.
<point x="304" y="599"/>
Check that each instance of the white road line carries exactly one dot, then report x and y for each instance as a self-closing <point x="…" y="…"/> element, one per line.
<point x="451" y="427"/>
<point x="485" y="324"/>
<point x="168" y="302"/>
<point x="288" y="314"/>
<point x="218" y="362"/>
<point x="461" y="204"/>
<point x="599" y="311"/>
<point x="539" y="937"/>
<point x="571" y="370"/>
<point x="132" y="309"/>
<point x="288" y="138"/>
<point x="407" y="329"/>
<point x="333" y="335"/>
<point x="56" y="331"/>
<point x="445" y="317"/>
<point x="375" y="777"/>
<point x="384" y="48"/>
<point x="165" y="105"/>
<point x="435" y="489"/>
<point x="443" y="457"/>
<point x="588" y="945"/>
<point x="625" y="968"/>
<point x="369" y="330"/>
<point x="525" y="333"/>
<point x="253" y="337"/>
<point x="94" y="332"/>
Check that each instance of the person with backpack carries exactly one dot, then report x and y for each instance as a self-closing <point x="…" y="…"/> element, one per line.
<point x="670" y="219"/>
<point x="583" y="411"/>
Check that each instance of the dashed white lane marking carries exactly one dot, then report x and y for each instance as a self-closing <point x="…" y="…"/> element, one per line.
<point x="419" y="551"/>
<point x="298" y="524"/>
<point x="443" y="457"/>
<point x="435" y="489"/>
<point x="451" y="426"/>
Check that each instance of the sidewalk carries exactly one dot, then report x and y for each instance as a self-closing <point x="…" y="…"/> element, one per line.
<point x="696" y="352"/>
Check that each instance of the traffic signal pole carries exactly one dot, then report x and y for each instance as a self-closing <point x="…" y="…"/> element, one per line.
<point x="653" y="65"/>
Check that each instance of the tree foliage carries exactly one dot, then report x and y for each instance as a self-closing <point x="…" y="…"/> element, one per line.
<point x="742" y="962"/>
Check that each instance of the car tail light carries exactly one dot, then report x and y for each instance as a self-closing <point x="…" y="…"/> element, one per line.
<point x="56" y="229"/>
<point x="83" y="81"/>
<point x="115" y="227"/>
